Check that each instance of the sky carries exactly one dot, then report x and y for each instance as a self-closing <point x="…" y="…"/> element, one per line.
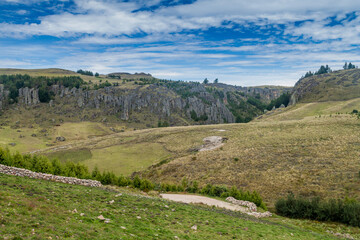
<point x="245" y="43"/>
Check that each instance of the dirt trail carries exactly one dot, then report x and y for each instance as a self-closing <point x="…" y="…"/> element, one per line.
<point x="184" y="198"/>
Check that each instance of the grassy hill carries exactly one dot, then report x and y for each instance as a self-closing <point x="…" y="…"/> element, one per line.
<point x="36" y="209"/>
<point x="310" y="110"/>
<point x="336" y="86"/>
<point x="311" y="157"/>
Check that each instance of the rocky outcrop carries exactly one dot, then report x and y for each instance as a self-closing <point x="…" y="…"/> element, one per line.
<point x="3" y="96"/>
<point x="20" y="172"/>
<point x="157" y="100"/>
<point x="29" y="96"/>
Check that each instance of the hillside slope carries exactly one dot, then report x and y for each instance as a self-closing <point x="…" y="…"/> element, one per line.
<point x="39" y="209"/>
<point x="300" y="111"/>
<point x="46" y="210"/>
<point x="336" y="86"/>
<point x="309" y="157"/>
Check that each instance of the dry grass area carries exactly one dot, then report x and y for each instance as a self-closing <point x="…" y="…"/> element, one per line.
<point x="311" y="157"/>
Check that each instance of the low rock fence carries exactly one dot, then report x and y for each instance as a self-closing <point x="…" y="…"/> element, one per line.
<point x="251" y="206"/>
<point x="20" y="172"/>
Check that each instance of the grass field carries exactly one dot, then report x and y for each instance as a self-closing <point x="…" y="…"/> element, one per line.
<point x="126" y="159"/>
<point x="36" y="209"/>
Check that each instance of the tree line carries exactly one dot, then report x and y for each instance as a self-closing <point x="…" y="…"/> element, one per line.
<point x="327" y="69"/>
<point x="88" y="73"/>
<point x="322" y="70"/>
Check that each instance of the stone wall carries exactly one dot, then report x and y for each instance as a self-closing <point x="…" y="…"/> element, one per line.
<point x="251" y="206"/>
<point x="20" y="172"/>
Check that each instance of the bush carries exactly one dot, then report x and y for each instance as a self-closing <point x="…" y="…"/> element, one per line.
<point x="137" y="182"/>
<point x="146" y="185"/>
<point x="343" y="211"/>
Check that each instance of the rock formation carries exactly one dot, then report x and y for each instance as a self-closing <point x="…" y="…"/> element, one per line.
<point x="29" y="96"/>
<point x="3" y="96"/>
<point x="160" y="102"/>
<point x="156" y="99"/>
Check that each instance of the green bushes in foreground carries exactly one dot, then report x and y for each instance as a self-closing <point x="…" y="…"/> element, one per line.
<point x="69" y="169"/>
<point x="43" y="164"/>
<point x="343" y="211"/>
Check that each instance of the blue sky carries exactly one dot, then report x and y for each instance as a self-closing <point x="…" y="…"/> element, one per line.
<point x="239" y="42"/>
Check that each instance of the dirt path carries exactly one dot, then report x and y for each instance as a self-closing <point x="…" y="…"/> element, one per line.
<point x="184" y="198"/>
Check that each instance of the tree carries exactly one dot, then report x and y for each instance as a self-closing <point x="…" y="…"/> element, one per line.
<point x="323" y="69"/>
<point x="97" y="74"/>
<point x="349" y="66"/>
<point x="216" y="80"/>
<point x="206" y="81"/>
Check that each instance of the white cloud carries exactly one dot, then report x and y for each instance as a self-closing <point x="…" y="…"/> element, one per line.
<point x="21" y="12"/>
<point x="251" y="61"/>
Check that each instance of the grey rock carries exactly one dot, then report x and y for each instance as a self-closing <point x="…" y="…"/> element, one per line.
<point x="29" y="96"/>
<point x="20" y="172"/>
<point x="60" y="139"/>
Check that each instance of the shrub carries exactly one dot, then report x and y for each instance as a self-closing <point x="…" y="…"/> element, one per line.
<point x="146" y="185"/>
<point x="137" y="182"/>
<point x="123" y="181"/>
<point x="343" y="211"/>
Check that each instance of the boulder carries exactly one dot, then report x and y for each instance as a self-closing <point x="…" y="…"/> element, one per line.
<point x="60" y="139"/>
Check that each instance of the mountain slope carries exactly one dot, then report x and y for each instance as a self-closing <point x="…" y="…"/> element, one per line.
<point x="335" y="86"/>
